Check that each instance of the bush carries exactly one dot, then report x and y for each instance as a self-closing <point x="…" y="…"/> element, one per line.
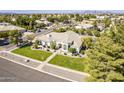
<point x="53" y="45"/>
<point x="35" y="46"/>
<point x="82" y="52"/>
<point x="72" y="50"/>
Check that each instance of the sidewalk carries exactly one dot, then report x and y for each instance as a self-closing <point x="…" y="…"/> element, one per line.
<point x="46" y="61"/>
<point x="64" y="72"/>
<point x="19" y="59"/>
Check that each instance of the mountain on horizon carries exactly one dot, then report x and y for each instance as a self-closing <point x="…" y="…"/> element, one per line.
<point x="60" y="11"/>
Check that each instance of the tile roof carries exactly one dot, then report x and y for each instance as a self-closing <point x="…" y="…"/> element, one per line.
<point x="66" y="37"/>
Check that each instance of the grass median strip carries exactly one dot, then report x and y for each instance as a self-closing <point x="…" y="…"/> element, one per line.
<point x="69" y="62"/>
<point x="34" y="54"/>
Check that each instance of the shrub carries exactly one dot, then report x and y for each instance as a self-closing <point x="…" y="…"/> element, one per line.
<point x="72" y="50"/>
<point x="53" y="45"/>
<point x="82" y="52"/>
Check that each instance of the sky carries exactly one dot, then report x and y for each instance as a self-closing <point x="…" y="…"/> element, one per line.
<point x="61" y="4"/>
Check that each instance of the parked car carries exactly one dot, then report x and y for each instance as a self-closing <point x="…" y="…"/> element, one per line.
<point x="4" y="42"/>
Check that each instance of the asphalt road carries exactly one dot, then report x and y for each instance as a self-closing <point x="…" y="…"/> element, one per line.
<point x="12" y="72"/>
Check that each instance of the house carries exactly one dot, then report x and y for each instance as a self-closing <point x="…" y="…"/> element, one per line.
<point x="8" y="27"/>
<point x="84" y="26"/>
<point x="100" y="17"/>
<point x="27" y="35"/>
<point x="100" y="26"/>
<point x="63" y="41"/>
<point x="44" y="21"/>
<point x="87" y="26"/>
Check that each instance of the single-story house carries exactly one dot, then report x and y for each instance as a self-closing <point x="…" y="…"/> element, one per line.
<point x="84" y="26"/>
<point x="63" y="41"/>
<point x="100" y="17"/>
<point x="101" y="26"/>
<point x="27" y="35"/>
<point x="8" y="27"/>
<point x="44" y="21"/>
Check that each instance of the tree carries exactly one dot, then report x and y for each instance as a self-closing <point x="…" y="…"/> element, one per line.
<point x="51" y="19"/>
<point x="95" y="33"/>
<point x="106" y="58"/>
<point x="35" y="45"/>
<point x="4" y="34"/>
<point x="53" y="45"/>
<point x="29" y="38"/>
<point x="63" y="18"/>
<point x="71" y="15"/>
<point x="87" y="42"/>
<point x="95" y="25"/>
<point x="79" y="18"/>
<point x="60" y="30"/>
<point x="41" y="25"/>
<point x="15" y="37"/>
<point x="13" y="33"/>
<point x="86" y="17"/>
<point x="107" y="22"/>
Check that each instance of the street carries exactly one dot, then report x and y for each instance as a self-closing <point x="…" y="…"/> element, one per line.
<point x="12" y="72"/>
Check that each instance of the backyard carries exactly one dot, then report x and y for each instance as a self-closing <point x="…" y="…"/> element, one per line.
<point x="34" y="54"/>
<point x="69" y="62"/>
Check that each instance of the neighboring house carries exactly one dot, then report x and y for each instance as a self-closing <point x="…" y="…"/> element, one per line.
<point x="8" y="27"/>
<point x="44" y="21"/>
<point x="84" y="26"/>
<point x="28" y="35"/>
<point x="101" y="26"/>
<point x="87" y="26"/>
<point x="62" y="40"/>
<point x="13" y="19"/>
<point x="100" y="17"/>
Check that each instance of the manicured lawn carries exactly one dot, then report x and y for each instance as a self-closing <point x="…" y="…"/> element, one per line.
<point x="35" y="54"/>
<point x="68" y="62"/>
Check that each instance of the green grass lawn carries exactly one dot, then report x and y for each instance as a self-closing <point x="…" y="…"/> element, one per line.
<point x="69" y="62"/>
<point x="34" y="54"/>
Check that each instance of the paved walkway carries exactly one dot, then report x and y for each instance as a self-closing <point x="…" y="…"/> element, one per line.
<point x="47" y="60"/>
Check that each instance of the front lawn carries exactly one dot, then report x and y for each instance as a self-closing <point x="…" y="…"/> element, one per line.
<point x="34" y="54"/>
<point x="69" y="62"/>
